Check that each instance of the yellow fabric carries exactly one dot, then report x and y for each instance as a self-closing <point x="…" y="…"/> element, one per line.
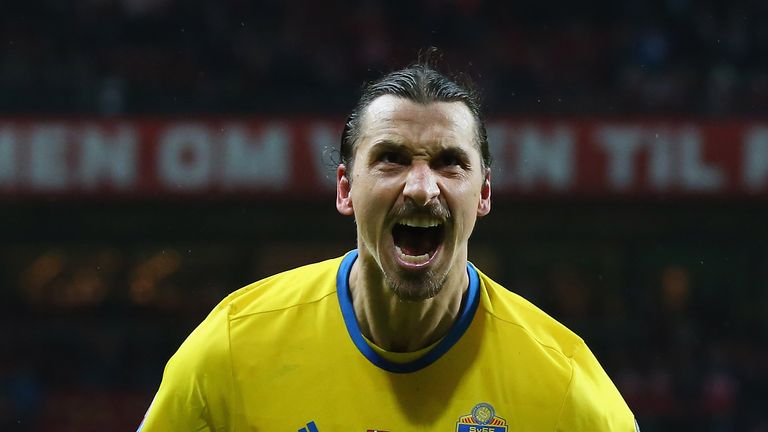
<point x="276" y="355"/>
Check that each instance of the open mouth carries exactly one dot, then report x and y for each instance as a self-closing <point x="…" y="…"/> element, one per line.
<point x="417" y="240"/>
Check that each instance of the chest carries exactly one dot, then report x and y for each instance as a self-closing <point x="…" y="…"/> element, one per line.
<point x="311" y="383"/>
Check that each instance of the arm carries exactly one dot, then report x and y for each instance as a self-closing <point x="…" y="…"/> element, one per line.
<point x="592" y="403"/>
<point x="197" y="386"/>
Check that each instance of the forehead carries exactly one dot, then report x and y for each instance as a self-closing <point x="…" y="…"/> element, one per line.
<point x="394" y="119"/>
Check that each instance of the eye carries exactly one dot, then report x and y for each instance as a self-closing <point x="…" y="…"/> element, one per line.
<point x="392" y="157"/>
<point x="449" y="159"/>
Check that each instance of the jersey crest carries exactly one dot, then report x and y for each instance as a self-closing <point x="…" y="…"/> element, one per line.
<point x="482" y="419"/>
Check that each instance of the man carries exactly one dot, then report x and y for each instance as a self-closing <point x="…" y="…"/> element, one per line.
<point x="401" y="334"/>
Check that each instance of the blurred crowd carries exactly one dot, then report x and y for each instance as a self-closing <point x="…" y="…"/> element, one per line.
<point x="538" y="57"/>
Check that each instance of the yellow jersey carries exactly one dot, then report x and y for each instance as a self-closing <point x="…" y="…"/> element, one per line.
<point x="286" y="354"/>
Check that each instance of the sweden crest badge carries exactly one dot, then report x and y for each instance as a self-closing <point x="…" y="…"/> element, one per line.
<point x="482" y="419"/>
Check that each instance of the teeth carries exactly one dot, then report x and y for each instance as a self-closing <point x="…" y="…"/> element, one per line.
<point x="411" y="259"/>
<point x="420" y="222"/>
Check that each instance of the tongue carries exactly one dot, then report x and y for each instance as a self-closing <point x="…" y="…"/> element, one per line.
<point x="414" y="241"/>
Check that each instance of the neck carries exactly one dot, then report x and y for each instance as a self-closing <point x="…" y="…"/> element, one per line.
<point x="403" y="326"/>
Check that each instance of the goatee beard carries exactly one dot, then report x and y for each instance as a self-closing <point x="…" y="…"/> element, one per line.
<point x="416" y="288"/>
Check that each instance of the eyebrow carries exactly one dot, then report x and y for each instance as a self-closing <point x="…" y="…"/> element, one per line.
<point x="384" y="145"/>
<point x="388" y="145"/>
<point x="457" y="152"/>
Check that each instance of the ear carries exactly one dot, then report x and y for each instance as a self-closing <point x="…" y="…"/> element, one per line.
<point x="343" y="189"/>
<point x="484" y="206"/>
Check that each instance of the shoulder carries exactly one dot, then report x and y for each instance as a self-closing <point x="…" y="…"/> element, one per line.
<point x="506" y="307"/>
<point x="198" y="388"/>
<point x="591" y="401"/>
<point x="302" y="285"/>
<point x="292" y="288"/>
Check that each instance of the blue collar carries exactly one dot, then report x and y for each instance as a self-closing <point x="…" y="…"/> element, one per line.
<point x="467" y="312"/>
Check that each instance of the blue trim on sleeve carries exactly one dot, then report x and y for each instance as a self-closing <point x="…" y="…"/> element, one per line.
<point x="454" y="334"/>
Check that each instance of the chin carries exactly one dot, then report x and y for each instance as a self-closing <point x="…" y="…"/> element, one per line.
<point x="416" y="287"/>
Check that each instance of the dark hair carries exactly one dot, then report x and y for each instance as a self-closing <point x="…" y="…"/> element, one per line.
<point x="422" y="84"/>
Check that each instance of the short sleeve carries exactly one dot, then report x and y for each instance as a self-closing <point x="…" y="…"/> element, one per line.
<point x="197" y="386"/>
<point x="592" y="402"/>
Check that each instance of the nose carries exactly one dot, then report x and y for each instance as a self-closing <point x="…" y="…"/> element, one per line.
<point x="421" y="184"/>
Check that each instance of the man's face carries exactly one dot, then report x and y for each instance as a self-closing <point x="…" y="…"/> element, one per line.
<point x="416" y="188"/>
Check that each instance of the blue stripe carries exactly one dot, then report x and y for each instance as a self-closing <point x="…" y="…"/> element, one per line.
<point x="454" y="334"/>
<point x="469" y="428"/>
<point x="311" y="426"/>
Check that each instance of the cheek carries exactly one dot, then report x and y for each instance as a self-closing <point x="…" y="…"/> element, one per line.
<point x="378" y="192"/>
<point x="369" y="209"/>
<point x="463" y="202"/>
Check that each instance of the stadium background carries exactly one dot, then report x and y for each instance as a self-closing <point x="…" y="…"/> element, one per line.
<point x="157" y="154"/>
